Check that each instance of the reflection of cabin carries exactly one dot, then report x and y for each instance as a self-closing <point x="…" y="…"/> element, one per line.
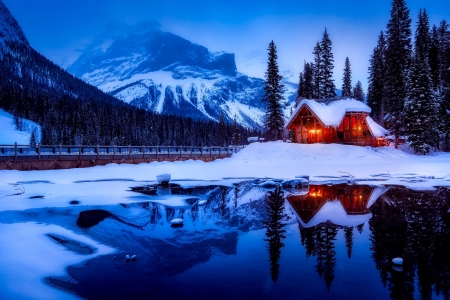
<point x="345" y="121"/>
<point x="355" y="200"/>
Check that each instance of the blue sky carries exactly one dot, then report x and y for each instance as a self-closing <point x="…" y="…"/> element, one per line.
<point x="60" y="29"/>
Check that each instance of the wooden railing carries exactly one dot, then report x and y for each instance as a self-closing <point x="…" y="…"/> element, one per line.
<point x="82" y="152"/>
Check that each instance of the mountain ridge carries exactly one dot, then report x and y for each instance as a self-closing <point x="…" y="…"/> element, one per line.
<point x="165" y="73"/>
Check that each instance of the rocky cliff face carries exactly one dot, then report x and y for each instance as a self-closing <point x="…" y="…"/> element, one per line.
<point x="165" y="73"/>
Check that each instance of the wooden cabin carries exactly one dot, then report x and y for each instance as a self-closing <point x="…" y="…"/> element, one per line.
<point x="344" y="121"/>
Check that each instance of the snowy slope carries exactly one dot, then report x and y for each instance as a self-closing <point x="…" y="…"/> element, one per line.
<point x="10" y="135"/>
<point x="165" y="73"/>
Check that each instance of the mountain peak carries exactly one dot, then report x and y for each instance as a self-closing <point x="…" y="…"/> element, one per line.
<point x="9" y="28"/>
<point x="144" y="47"/>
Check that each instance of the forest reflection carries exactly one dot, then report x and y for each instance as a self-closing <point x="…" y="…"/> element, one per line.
<point x="414" y="225"/>
<point x="275" y="224"/>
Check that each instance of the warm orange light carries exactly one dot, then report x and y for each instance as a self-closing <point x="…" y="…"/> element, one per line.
<point x="359" y="128"/>
<point x="313" y="194"/>
<point x="312" y="131"/>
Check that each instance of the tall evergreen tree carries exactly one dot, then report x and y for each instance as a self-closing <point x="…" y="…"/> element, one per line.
<point x="398" y="55"/>
<point x="33" y="137"/>
<point x="327" y="85"/>
<point x="273" y="88"/>
<point x="358" y="92"/>
<point x="347" y="80"/>
<point x="433" y="58"/>
<point x="419" y="104"/>
<point x="444" y="80"/>
<point x="236" y="134"/>
<point x="317" y="71"/>
<point x="308" y="83"/>
<point x="375" y="90"/>
<point x="301" y="85"/>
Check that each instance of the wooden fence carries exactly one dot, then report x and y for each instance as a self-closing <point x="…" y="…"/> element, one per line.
<point x="45" y="157"/>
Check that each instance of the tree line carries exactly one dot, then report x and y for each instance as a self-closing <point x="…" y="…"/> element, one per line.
<point x="409" y="84"/>
<point x="70" y="111"/>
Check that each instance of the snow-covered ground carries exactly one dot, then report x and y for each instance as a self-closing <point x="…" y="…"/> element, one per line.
<point x="9" y="134"/>
<point x="25" y="265"/>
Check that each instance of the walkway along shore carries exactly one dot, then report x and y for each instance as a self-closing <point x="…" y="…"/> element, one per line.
<point x="53" y="157"/>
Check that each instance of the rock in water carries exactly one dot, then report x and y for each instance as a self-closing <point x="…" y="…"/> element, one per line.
<point x="201" y="202"/>
<point x="163" y="179"/>
<point x="397" y="260"/>
<point x="177" y="221"/>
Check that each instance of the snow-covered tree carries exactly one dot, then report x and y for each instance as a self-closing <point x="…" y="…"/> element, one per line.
<point x="301" y="85"/>
<point x="308" y="82"/>
<point x="33" y="137"/>
<point x="327" y="84"/>
<point x="419" y="104"/>
<point x="347" y="80"/>
<point x="274" y="120"/>
<point x="398" y="57"/>
<point x="358" y="92"/>
<point x="375" y="98"/>
<point x="317" y="71"/>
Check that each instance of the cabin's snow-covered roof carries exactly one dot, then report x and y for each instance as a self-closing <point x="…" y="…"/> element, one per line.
<point x="334" y="212"/>
<point x="377" y="130"/>
<point x="331" y="114"/>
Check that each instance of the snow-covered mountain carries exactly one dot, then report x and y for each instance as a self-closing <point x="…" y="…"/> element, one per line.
<point x="9" y="29"/>
<point x="160" y="71"/>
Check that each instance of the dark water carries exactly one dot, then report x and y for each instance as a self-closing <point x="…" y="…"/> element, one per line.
<point x="246" y="242"/>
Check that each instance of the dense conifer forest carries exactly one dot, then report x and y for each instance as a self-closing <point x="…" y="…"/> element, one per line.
<point x="73" y="112"/>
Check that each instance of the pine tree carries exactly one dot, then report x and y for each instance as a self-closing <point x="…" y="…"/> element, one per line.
<point x="419" y="105"/>
<point x="433" y="58"/>
<point x="358" y="92"/>
<point x="308" y="90"/>
<point x="236" y="134"/>
<point x="317" y="71"/>
<point x="347" y="80"/>
<point x="223" y="130"/>
<point x="33" y="137"/>
<point x="301" y="86"/>
<point x="327" y="84"/>
<point x="375" y="98"/>
<point x="274" y="120"/>
<point x="398" y="53"/>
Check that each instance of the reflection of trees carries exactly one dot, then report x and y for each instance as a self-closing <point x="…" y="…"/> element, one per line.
<point x="275" y="232"/>
<point x="170" y="213"/>
<point x="414" y="225"/>
<point x="349" y="240"/>
<point x="319" y="242"/>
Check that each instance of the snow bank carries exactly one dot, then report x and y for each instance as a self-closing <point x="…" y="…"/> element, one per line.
<point x="37" y="256"/>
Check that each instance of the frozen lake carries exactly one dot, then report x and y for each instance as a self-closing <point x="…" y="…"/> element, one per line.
<point x="242" y="241"/>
